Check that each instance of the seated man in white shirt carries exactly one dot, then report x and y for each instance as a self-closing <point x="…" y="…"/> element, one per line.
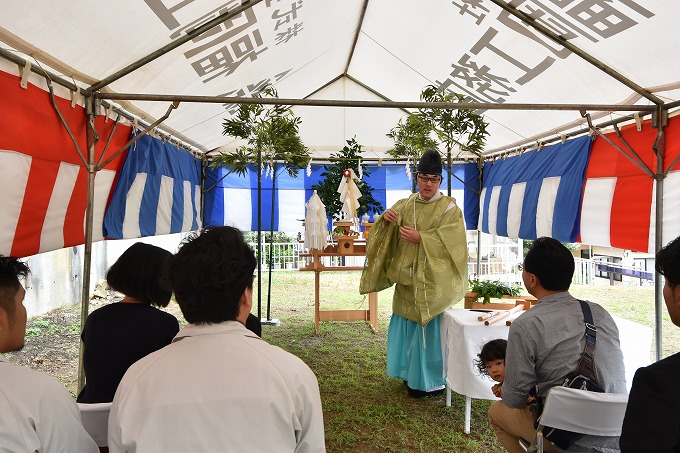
<point x="217" y="386"/>
<point x="36" y="411"/>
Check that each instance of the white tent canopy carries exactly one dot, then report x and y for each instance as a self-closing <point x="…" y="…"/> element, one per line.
<point x="361" y="50"/>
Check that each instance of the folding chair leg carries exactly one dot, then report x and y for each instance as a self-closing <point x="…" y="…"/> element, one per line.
<point x="539" y="441"/>
<point x="536" y="444"/>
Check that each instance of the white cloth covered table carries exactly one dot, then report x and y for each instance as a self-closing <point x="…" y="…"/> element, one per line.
<point x="636" y="345"/>
<point x="463" y="337"/>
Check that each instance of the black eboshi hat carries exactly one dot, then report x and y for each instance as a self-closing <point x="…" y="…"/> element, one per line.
<point x="430" y="163"/>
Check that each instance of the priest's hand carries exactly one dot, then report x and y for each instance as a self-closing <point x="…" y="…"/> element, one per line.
<point x="409" y="234"/>
<point x="391" y="215"/>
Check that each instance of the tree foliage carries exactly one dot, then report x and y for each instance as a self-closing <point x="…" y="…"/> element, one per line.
<point x="461" y="127"/>
<point x="411" y="138"/>
<point x="327" y="189"/>
<point x="452" y="127"/>
<point x="572" y="247"/>
<point x="271" y="131"/>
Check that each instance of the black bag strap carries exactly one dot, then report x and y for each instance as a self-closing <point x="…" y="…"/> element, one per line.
<point x="586" y="366"/>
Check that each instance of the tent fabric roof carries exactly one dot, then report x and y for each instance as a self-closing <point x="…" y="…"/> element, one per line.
<point x="359" y="50"/>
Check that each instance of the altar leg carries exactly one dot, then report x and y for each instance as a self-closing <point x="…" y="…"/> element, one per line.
<point x="373" y="311"/>
<point x="316" y="300"/>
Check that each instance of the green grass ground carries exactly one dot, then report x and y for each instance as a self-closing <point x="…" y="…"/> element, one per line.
<point x="366" y="411"/>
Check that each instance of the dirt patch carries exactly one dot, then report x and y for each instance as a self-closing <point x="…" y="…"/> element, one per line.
<point x="53" y="339"/>
<point x="52" y="346"/>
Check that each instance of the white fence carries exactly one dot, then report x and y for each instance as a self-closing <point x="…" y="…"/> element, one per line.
<point x="499" y="262"/>
<point x="499" y="258"/>
<point x="584" y="272"/>
<point x="503" y="264"/>
<point x="285" y="255"/>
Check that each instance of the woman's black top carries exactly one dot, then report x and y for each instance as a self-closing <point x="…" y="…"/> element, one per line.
<point x="116" y="336"/>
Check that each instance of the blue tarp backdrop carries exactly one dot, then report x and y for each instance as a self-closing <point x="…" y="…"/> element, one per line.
<point x="233" y="201"/>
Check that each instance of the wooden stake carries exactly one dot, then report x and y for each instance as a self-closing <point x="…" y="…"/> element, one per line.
<point x="504" y="315"/>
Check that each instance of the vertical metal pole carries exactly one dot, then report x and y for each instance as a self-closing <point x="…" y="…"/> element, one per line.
<point x="448" y="176"/>
<point x="591" y="266"/>
<point x="204" y="166"/>
<point x="271" y="244"/>
<point x="658" y="234"/>
<point x="480" y="168"/>
<point x="259" y="234"/>
<point x="87" y="258"/>
<point x="414" y="174"/>
<point x="479" y="255"/>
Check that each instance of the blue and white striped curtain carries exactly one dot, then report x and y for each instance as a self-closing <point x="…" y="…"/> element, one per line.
<point x="537" y="193"/>
<point x="158" y="192"/>
<point x="233" y="199"/>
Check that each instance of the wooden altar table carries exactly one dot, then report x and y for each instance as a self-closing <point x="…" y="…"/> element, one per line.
<point x="370" y="314"/>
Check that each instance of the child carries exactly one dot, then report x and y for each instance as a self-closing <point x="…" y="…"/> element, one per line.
<point x="491" y="363"/>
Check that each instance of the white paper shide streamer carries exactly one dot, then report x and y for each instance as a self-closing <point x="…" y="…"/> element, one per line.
<point x="316" y="224"/>
<point x="349" y="195"/>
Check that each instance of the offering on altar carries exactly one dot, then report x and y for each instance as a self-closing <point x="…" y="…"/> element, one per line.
<point x="316" y="224"/>
<point x="349" y="195"/>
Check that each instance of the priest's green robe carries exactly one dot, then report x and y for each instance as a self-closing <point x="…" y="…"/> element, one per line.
<point x="429" y="276"/>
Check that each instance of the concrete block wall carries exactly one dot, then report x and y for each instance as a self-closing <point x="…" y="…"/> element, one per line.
<point x="56" y="278"/>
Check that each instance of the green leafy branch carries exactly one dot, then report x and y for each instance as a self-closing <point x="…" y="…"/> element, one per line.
<point x="493" y="288"/>
<point x="411" y="138"/>
<point x="462" y="127"/>
<point x="272" y="133"/>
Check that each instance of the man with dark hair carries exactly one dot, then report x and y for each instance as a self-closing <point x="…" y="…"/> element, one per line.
<point x="419" y="246"/>
<point x="218" y="386"/>
<point x="36" y="411"/>
<point x="546" y="343"/>
<point x="651" y="421"/>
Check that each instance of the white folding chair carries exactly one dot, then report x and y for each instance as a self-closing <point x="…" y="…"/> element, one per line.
<point x="95" y="418"/>
<point x="580" y="411"/>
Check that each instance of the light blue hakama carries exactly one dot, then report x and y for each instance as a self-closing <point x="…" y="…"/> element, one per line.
<point x="414" y="353"/>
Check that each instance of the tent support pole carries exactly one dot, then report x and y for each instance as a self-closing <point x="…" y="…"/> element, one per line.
<point x="92" y="138"/>
<point x="448" y="172"/>
<point x="108" y="141"/>
<point x="271" y="244"/>
<point x="479" y="249"/>
<point x="204" y="166"/>
<point x="374" y="104"/>
<point x="356" y="36"/>
<point x="173" y="106"/>
<point x="660" y="150"/>
<point x="634" y="158"/>
<point x="259" y="234"/>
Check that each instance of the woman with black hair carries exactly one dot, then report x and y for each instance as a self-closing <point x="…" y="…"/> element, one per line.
<point x="117" y="335"/>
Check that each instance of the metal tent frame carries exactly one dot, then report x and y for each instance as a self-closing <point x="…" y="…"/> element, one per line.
<point x="95" y="95"/>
